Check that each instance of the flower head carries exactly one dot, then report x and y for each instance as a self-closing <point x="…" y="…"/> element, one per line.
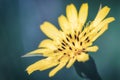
<point x="71" y="43"/>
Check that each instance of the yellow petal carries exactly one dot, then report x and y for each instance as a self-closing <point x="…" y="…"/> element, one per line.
<point x="71" y="13"/>
<point x="49" y="63"/>
<point x="83" y="13"/>
<point x="84" y="33"/>
<point x="60" y="66"/>
<point x="87" y="44"/>
<point x="100" y="32"/>
<point x="54" y="71"/>
<point x="37" y="52"/>
<point x="101" y="15"/>
<point x="103" y="23"/>
<point x="65" y="26"/>
<point x="47" y="43"/>
<point x="37" y="65"/>
<point x="82" y="57"/>
<point x="92" y="49"/>
<point x="71" y="62"/>
<point x="50" y="30"/>
<point x="93" y="35"/>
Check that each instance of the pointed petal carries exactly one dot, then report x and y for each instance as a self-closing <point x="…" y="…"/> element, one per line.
<point x="71" y="13"/>
<point x="55" y="70"/>
<point x="101" y="15"/>
<point x="31" y="55"/>
<point x="103" y="23"/>
<point x="47" y="43"/>
<point x="83" y="13"/>
<point x="82" y="57"/>
<point x="100" y="32"/>
<point x="38" y="65"/>
<point x="60" y="66"/>
<point x="71" y="62"/>
<point x="49" y="65"/>
<point x="64" y="24"/>
<point x="92" y="49"/>
<point x="50" y="30"/>
<point x="38" y="52"/>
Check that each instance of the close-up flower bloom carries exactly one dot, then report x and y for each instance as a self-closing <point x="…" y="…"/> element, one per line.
<point x="72" y="42"/>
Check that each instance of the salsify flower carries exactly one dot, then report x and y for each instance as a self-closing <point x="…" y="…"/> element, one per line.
<point x="71" y="43"/>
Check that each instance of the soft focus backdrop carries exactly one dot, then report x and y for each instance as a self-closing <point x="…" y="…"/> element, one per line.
<point x="20" y="33"/>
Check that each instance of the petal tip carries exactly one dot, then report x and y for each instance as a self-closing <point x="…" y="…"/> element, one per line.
<point x="113" y="19"/>
<point x="28" y="71"/>
<point x="51" y="75"/>
<point x="86" y="4"/>
<point x="68" y="66"/>
<point x="71" y="4"/>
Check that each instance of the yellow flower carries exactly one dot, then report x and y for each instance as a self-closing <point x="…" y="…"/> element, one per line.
<point x="72" y="42"/>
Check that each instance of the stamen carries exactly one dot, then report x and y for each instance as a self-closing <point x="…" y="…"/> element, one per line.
<point x="59" y="49"/>
<point x="68" y="54"/>
<point x="70" y="48"/>
<point x="84" y="33"/>
<point x="87" y="38"/>
<point x="83" y="49"/>
<point x="70" y="36"/>
<point x="75" y="31"/>
<point x="63" y="44"/>
<point x="63" y="41"/>
<point x="63" y="47"/>
<point x="81" y="43"/>
<point x="66" y="43"/>
<point x="58" y="60"/>
<point x="64" y="53"/>
<point x="75" y="36"/>
<point x="55" y="51"/>
<point x="73" y="43"/>
<point x="79" y="53"/>
<point x="67" y="39"/>
<point x="78" y="33"/>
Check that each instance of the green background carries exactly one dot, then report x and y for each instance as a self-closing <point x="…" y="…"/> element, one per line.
<point x="20" y="33"/>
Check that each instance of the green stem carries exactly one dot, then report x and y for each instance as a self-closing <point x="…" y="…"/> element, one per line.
<point x="87" y="69"/>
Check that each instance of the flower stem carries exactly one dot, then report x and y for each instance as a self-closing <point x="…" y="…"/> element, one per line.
<point x="87" y="70"/>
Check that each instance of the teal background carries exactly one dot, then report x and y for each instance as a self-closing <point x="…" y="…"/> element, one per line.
<point x="20" y="33"/>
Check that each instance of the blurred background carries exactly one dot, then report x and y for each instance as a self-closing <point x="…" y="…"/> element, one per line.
<point x="20" y="34"/>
